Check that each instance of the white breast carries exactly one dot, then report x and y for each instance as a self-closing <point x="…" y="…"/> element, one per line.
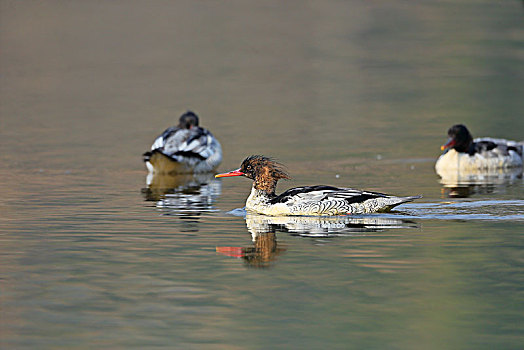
<point x="453" y="160"/>
<point x="259" y="203"/>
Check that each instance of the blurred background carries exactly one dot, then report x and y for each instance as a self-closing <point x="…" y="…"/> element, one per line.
<point x="295" y="80"/>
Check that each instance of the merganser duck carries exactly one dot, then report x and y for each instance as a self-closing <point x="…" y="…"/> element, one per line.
<point x="185" y="148"/>
<point x="463" y="153"/>
<point x="308" y="200"/>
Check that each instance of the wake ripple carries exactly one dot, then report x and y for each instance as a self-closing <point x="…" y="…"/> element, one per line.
<point x="499" y="210"/>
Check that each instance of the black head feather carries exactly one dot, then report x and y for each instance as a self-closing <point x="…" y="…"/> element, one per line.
<point x="188" y="120"/>
<point x="462" y="137"/>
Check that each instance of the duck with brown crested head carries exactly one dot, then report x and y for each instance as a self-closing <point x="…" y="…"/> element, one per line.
<point x="308" y="200"/>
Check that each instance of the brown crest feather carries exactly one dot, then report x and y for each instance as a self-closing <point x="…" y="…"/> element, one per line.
<point x="264" y="171"/>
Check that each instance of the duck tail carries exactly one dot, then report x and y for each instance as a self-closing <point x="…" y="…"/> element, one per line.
<point x="411" y="198"/>
<point x="147" y="156"/>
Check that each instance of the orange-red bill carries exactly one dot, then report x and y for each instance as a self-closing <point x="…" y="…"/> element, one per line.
<point x="231" y="173"/>
<point x="449" y="144"/>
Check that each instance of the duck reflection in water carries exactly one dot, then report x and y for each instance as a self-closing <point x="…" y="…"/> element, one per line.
<point x="324" y="226"/>
<point x="263" y="231"/>
<point x="457" y="184"/>
<point x="184" y="193"/>
<point x="260" y="255"/>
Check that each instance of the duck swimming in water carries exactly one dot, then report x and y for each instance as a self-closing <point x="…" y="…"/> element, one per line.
<point x="308" y="200"/>
<point x="463" y="153"/>
<point x="185" y="148"/>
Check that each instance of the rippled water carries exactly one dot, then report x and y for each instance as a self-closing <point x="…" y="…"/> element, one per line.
<point x="96" y="255"/>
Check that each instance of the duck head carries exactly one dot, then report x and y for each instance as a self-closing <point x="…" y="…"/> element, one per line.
<point x="459" y="138"/>
<point x="188" y="120"/>
<point x="265" y="173"/>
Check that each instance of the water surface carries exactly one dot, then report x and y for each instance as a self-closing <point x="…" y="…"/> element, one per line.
<point x="351" y="93"/>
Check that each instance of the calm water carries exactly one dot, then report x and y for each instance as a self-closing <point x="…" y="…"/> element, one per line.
<point x="345" y="93"/>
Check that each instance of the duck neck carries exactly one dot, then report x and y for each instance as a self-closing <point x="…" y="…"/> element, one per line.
<point x="262" y="195"/>
<point x="258" y="199"/>
<point x="266" y="186"/>
<point x="464" y="144"/>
